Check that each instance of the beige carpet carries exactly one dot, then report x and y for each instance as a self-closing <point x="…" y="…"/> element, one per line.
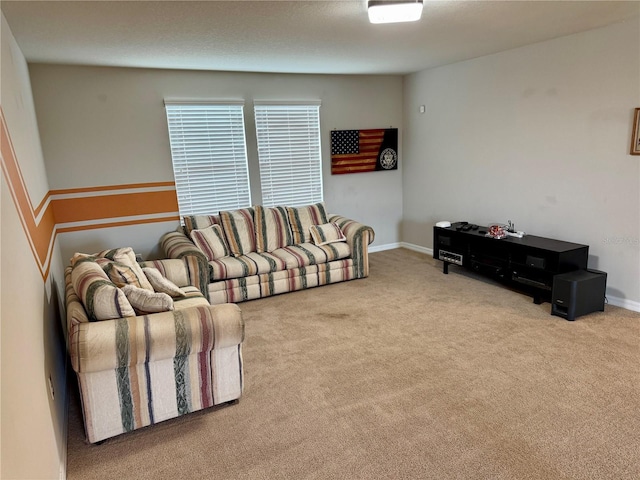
<point x="408" y="374"/>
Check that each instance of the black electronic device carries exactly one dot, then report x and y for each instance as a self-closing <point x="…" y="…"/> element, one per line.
<point x="578" y="293"/>
<point x="529" y="263"/>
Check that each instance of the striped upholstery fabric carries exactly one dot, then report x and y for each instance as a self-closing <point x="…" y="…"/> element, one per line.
<point x="119" y="273"/>
<point x="258" y="286"/>
<point x="176" y="245"/>
<point x="193" y="298"/>
<point x="245" y="265"/>
<point x="239" y="231"/>
<point x="126" y="256"/>
<point x="327" y="233"/>
<point x="162" y="284"/>
<point x="301" y="218"/>
<point x="286" y="269"/>
<point x="144" y="302"/>
<point x="138" y="371"/>
<point x="359" y="237"/>
<point x="272" y="228"/>
<point x="199" y="222"/>
<point x="101" y="298"/>
<point x="306" y="254"/>
<point x="211" y="241"/>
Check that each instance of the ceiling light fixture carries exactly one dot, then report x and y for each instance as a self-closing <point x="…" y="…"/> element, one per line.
<point x="393" y="11"/>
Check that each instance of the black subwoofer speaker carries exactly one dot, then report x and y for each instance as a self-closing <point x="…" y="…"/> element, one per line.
<point x="578" y="293"/>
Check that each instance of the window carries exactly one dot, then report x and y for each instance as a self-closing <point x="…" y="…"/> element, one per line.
<point x="209" y="156"/>
<point x="289" y="153"/>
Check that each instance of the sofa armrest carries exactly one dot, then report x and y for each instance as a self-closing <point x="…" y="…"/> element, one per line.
<point x="125" y="342"/>
<point x="177" y="245"/>
<point x="359" y="236"/>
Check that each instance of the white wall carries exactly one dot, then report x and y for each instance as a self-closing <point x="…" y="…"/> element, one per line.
<point x="538" y="135"/>
<point x="33" y="425"/>
<point x="107" y="126"/>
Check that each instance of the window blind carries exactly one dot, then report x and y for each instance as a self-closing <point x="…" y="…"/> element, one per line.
<point x="209" y="155"/>
<point x="289" y="153"/>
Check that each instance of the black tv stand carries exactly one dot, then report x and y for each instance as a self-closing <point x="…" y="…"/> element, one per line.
<point x="528" y="263"/>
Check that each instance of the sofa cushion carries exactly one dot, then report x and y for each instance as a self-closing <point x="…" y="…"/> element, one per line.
<point x="192" y="298"/>
<point x="126" y="256"/>
<point x="326" y="233"/>
<point x="301" y="218"/>
<point x="305" y="254"/>
<point x="198" y="222"/>
<point x="245" y="265"/>
<point x="102" y="300"/>
<point x="272" y="228"/>
<point x="119" y="273"/>
<point x="239" y="231"/>
<point x="211" y="241"/>
<point x="162" y="284"/>
<point x="144" y="302"/>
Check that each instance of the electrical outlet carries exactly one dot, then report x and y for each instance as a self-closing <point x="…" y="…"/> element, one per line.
<point x="51" y="391"/>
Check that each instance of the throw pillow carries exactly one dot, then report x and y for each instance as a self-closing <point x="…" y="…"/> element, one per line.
<point x="126" y="256"/>
<point x="301" y="218"/>
<point x="198" y="222"/>
<point x="119" y="273"/>
<point x="144" y="301"/>
<point x="327" y="233"/>
<point x="272" y="228"/>
<point x="101" y="298"/>
<point x="239" y="231"/>
<point x="162" y="284"/>
<point x="211" y="241"/>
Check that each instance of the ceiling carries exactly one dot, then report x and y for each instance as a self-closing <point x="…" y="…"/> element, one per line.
<point x="294" y="36"/>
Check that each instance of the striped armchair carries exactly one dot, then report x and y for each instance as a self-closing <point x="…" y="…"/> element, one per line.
<point x="140" y="370"/>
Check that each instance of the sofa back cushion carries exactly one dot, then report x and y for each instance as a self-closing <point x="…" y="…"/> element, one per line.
<point x="199" y="222"/>
<point x="301" y="219"/>
<point x="272" y="228"/>
<point x="239" y="230"/>
<point x="102" y="300"/>
<point x="211" y="241"/>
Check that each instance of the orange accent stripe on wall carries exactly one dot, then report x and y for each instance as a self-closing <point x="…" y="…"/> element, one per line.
<point x="70" y="210"/>
<point x="41" y="235"/>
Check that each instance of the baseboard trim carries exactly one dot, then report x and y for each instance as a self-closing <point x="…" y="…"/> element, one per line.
<point x="417" y="248"/>
<point x="624" y="303"/>
<point x="408" y="246"/>
<point x="382" y="248"/>
<point x="615" y="301"/>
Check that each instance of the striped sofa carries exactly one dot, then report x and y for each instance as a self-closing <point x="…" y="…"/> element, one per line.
<point x="140" y="370"/>
<point x="267" y="251"/>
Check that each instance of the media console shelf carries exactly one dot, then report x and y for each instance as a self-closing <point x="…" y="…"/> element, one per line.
<point x="529" y="263"/>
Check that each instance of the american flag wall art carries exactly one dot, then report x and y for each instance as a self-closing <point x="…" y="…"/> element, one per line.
<point x="356" y="151"/>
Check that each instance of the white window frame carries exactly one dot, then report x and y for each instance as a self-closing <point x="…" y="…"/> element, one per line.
<point x="289" y="152"/>
<point x="209" y="155"/>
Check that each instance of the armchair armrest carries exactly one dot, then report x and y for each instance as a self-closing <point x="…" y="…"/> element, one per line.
<point x="177" y="245"/>
<point x="359" y="236"/>
<point x="125" y="342"/>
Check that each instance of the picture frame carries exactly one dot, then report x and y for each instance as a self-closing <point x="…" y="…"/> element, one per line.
<point x="635" y="133"/>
